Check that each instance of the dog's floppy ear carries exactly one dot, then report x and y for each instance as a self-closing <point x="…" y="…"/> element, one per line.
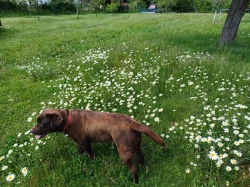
<point x="56" y="119"/>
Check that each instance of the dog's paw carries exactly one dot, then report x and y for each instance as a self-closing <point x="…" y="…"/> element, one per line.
<point x="164" y="148"/>
<point x="92" y="156"/>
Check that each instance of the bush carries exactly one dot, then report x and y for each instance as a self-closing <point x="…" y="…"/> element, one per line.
<point x="184" y="6"/>
<point x="203" y="5"/>
<point x="113" y="7"/>
<point x="7" y="5"/>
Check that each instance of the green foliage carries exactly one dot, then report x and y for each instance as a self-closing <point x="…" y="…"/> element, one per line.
<point x="166" y="5"/>
<point x="62" y="6"/>
<point x="192" y="5"/>
<point x="12" y="6"/>
<point x="220" y="4"/>
<point x="33" y="7"/>
<point x="68" y="6"/>
<point x="96" y="4"/>
<point x="113" y="7"/>
<point x="203" y="5"/>
<point x="184" y="6"/>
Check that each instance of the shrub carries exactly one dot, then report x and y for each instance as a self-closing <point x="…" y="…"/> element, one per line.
<point x="113" y="7"/>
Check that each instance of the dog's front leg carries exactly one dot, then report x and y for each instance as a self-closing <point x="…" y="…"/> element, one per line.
<point x="80" y="150"/>
<point x="86" y="148"/>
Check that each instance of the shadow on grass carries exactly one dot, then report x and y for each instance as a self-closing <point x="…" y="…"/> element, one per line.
<point x="200" y="42"/>
<point x="6" y="32"/>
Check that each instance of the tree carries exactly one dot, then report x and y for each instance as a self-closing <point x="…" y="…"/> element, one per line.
<point x="165" y="5"/>
<point x="76" y="2"/>
<point x="37" y="6"/>
<point x="184" y="6"/>
<point x="203" y="5"/>
<point x="113" y="7"/>
<point x="34" y="6"/>
<point x="234" y="16"/>
<point x="62" y="6"/>
<point x="219" y="4"/>
<point x="96" y="5"/>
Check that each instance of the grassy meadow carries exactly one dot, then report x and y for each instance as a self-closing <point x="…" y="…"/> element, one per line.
<point x="165" y="70"/>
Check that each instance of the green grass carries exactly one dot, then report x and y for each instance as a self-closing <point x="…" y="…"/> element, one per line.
<point x="162" y="66"/>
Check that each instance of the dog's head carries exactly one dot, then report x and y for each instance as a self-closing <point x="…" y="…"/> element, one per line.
<point x="50" y="120"/>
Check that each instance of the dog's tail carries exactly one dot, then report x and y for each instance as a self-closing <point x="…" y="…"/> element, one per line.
<point x="149" y="132"/>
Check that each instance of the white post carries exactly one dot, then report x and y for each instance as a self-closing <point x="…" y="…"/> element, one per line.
<point x="214" y="15"/>
<point x="220" y="14"/>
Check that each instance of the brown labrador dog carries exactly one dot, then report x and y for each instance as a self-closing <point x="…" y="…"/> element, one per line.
<point x="86" y="127"/>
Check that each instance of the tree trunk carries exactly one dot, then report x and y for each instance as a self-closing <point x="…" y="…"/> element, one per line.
<point x="77" y="17"/>
<point x="37" y="10"/>
<point x="77" y="9"/>
<point x="235" y="13"/>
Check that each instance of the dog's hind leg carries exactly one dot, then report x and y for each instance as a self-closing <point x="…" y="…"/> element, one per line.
<point x="132" y="169"/>
<point x="127" y="158"/>
<point x="140" y="156"/>
<point x="127" y="150"/>
<point x="86" y="148"/>
<point x="138" y="148"/>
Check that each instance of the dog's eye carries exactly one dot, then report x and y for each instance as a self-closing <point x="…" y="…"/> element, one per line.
<point x="39" y="120"/>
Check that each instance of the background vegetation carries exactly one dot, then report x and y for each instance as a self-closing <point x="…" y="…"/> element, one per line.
<point x="70" y="6"/>
<point x="165" y="70"/>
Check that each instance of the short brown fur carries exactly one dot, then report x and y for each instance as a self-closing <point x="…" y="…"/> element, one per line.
<point x="88" y="127"/>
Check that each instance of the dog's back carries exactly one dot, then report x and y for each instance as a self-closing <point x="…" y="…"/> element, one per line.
<point x="101" y="126"/>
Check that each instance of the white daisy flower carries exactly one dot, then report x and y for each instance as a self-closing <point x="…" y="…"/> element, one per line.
<point x="4" y="168"/>
<point x="10" y="177"/>
<point x="157" y="119"/>
<point x="213" y="155"/>
<point x="24" y="171"/>
<point x="29" y="119"/>
<point x="228" y="168"/>
<point x="233" y="161"/>
<point x="187" y="170"/>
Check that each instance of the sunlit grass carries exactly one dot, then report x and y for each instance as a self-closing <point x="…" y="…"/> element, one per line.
<point x="163" y="70"/>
